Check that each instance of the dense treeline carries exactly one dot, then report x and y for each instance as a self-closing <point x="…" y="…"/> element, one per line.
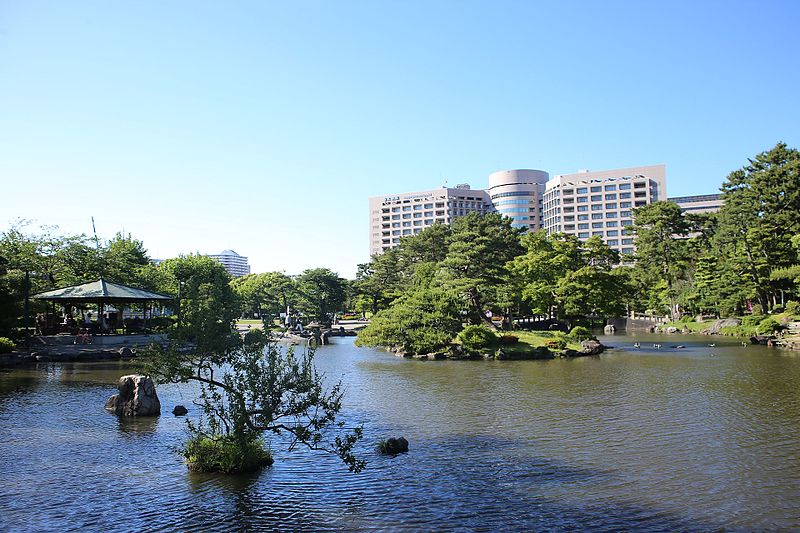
<point x="745" y="258"/>
<point x="37" y="260"/>
<point x="741" y="259"/>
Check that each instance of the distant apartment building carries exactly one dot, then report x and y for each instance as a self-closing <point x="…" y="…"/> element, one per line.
<point x="395" y="216"/>
<point x="235" y="264"/>
<point x="702" y="203"/>
<point x="518" y="195"/>
<point x="600" y="203"/>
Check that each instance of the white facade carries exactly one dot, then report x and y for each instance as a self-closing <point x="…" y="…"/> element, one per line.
<point x="235" y="264"/>
<point x="586" y="203"/>
<point x="395" y="216"/>
<point x="518" y="195"/>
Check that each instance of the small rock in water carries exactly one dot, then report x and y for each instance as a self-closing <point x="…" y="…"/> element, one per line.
<point x="396" y="445"/>
<point x="179" y="410"/>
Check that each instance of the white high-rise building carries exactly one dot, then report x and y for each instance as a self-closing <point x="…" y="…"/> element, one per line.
<point x="235" y="264"/>
<point x="583" y="204"/>
<point x="586" y="203"/>
<point x="518" y="194"/>
<point x="395" y="216"/>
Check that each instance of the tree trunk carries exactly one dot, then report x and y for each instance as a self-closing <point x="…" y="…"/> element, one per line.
<point x="476" y="304"/>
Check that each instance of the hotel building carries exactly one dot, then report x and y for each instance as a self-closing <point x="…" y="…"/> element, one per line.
<point x="517" y="194"/>
<point x="703" y="203"/>
<point x="235" y="264"/>
<point x="600" y="203"/>
<point x="400" y="215"/>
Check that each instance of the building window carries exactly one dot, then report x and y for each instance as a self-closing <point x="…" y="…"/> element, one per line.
<point x="583" y="217"/>
<point x="597" y="197"/>
<point x="597" y="189"/>
<point x="624" y="195"/>
<point x="582" y="208"/>
<point x="613" y="242"/>
<point x="611" y="196"/>
<point x="612" y="233"/>
<point x="583" y="226"/>
<point x="611" y="224"/>
<point x="627" y="241"/>
<point x="611" y="214"/>
<point x="596" y="225"/>
<point x="582" y="190"/>
<point x="624" y="204"/>
<point x="611" y="187"/>
<point x="624" y="186"/>
<point x="583" y="235"/>
<point x="583" y="199"/>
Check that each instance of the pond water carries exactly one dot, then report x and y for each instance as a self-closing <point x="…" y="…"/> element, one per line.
<point x="699" y="438"/>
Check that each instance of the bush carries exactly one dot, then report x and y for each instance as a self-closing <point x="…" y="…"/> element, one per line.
<point x="580" y="333"/>
<point x="6" y="345"/>
<point x="477" y="338"/>
<point x="752" y="320"/>
<point x="793" y="308"/>
<point x="225" y="455"/>
<point x="767" y="326"/>
<point x="508" y="340"/>
<point x="557" y="344"/>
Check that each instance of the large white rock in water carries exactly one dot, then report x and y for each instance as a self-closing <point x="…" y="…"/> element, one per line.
<point x="137" y="397"/>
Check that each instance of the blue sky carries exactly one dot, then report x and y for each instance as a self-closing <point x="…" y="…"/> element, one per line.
<point x="265" y="126"/>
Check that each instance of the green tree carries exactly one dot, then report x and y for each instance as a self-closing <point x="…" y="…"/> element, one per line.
<point x="378" y="283"/>
<point x="663" y="250"/>
<point x="267" y="294"/>
<point x="421" y="321"/>
<point x="321" y="292"/>
<point x="480" y="246"/>
<point x="546" y="260"/>
<point x="760" y="216"/>
<point x="248" y="388"/>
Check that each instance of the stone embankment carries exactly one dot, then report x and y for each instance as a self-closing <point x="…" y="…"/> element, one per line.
<point x="455" y="352"/>
<point x="66" y="354"/>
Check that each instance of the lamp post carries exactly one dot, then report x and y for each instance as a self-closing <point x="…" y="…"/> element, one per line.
<point x="26" y="287"/>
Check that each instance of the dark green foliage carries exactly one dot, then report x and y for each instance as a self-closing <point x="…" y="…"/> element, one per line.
<point x="421" y="321"/>
<point x="752" y="320"/>
<point x="477" y="338"/>
<point x="767" y="326"/>
<point x="225" y="455"/>
<point x="6" y="345"/>
<point x="320" y="293"/>
<point x="580" y="333"/>
<point x="793" y="308"/>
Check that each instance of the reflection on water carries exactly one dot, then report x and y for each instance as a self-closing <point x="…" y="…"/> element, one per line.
<point x="693" y="438"/>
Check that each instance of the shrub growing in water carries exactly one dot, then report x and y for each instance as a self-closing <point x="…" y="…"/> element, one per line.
<point x="224" y="454"/>
<point x="477" y="338"/>
<point x="6" y="345"/>
<point x="580" y="333"/>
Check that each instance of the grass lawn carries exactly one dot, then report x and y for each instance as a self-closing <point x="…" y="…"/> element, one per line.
<point x="249" y="322"/>
<point x="694" y="327"/>
<point x="528" y="340"/>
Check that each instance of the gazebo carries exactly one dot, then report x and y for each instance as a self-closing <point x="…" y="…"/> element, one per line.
<point x="101" y="293"/>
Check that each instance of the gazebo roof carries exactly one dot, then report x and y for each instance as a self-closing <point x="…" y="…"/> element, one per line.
<point x="101" y="291"/>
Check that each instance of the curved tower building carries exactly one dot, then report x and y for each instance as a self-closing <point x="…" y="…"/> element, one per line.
<point x="517" y="194"/>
